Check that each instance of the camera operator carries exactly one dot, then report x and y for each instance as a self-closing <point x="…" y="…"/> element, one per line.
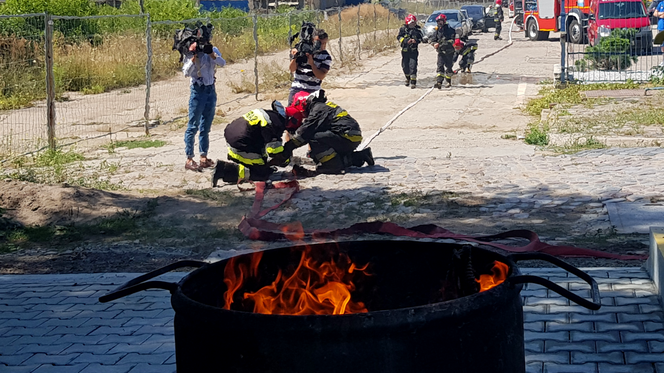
<point x="309" y="75"/>
<point x="200" y="64"/>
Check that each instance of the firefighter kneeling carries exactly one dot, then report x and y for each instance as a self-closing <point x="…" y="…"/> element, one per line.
<point x="332" y="134"/>
<point x="467" y="53"/>
<point x="251" y="139"/>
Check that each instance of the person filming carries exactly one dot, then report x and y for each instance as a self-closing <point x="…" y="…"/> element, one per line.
<point x="308" y="75"/>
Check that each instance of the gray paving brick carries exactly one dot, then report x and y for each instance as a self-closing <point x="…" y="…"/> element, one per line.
<point x="14" y="359"/>
<point x="559" y="357"/>
<point x="536" y="309"/>
<point x="166" y="313"/>
<point x="573" y="308"/>
<point x="644" y="293"/>
<point x="607" y="357"/>
<point x="21" y="315"/>
<point x="555" y="317"/>
<point x="555" y="346"/>
<point x="6" y="341"/>
<point x="636" y="358"/>
<point x="166" y="347"/>
<point x="651" y="326"/>
<point x="561" y="336"/>
<point x="149" y="322"/>
<point x="99" y="314"/>
<point x="576" y="368"/>
<point x="86" y="339"/>
<point x="647" y="287"/>
<point x="631" y="336"/>
<point x="533" y="346"/>
<point x="35" y="332"/>
<point x="148" y="359"/>
<point x="105" y="322"/>
<point x="654" y="316"/>
<point x="51" y="359"/>
<point x="98" y="349"/>
<point x="171" y="360"/>
<point x="13" y="308"/>
<point x="580" y="326"/>
<point x="76" y="293"/>
<point x="540" y="293"/>
<point x="585" y="336"/>
<point x="655" y="346"/>
<point x="148" y="313"/>
<point x="107" y="359"/>
<point x="640" y="346"/>
<point x="647" y="308"/>
<point x="46" y="368"/>
<point x="167" y="338"/>
<point x="621" y="301"/>
<point x="129" y="339"/>
<point x="48" y="300"/>
<point x="606" y="301"/>
<point x="147" y="368"/>
<point x="80" y="330"/>
<point x="18" y="369"/>
<point x="97" y="307"/>
<point x="582" y="317"/>
<point x="29" y="339"/>
<point x="145" y="348"/>
<point x="100" y="368"/>
<point x="11" y="349"/>
<point x="35" y="294"/>
<point x="531" y="301"/>
<point x="125" y="330"/>
<point x="535" y="326"/>
<point x="51" y="349"/>
<point x="147" y="329"/>
<point x="633" y="327"/>
<point x="632" y="368"/>
<point x="75" y="322"/>
<point x="48" y="313"/>
<point x="126" y="306"/>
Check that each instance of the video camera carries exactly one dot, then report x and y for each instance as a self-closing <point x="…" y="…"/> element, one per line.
<point x="306" y="45"/>
<point x="199" y="34"/>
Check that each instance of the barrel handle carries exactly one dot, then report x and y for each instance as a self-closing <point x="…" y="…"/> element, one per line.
<point x="138" y="284"/>
<point x="521" y="279"/>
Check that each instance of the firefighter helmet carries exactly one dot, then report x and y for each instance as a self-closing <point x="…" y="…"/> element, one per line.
<point x="499" y="2"/>
<point x="458" y="44"/>
<point x="441" y="17"/>
<point x="410" y="19"/>
<point x="295" y="112"/>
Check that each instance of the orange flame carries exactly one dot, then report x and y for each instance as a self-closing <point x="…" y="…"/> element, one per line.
<point x="498" y="276"/>
<point x="314" y="288"/>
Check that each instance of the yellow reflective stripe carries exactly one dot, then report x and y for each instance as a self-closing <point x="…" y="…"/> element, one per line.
<point x="440" y="74"/>
<point x="256" y="116"/>
<point x="254" y="161"/>
<point x="402" y="39"/>
<point x="331" y="104"/>
<point x="241" y="172"/>
<point x="353" y="138"/>
<point x="342" y="114"/>
<point x="276" y="150"/>
<point x="328" y="157"/>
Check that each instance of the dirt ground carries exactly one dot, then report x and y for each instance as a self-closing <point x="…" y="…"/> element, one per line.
<point x="164" y="214"/>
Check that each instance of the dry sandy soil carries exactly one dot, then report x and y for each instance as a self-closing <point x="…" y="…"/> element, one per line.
<point x="165" y="214"/>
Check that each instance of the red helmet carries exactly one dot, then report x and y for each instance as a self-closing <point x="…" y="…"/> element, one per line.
<point x="410" y="19"/>
<point x="295" y="112"/>
<point x="499" y="2"/>
<point x="457" y="44"/>
<point x="441" y="16"/>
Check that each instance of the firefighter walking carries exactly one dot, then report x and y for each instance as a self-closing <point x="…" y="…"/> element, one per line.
<point x="330" y="131"/>
<point x="410" y="36"/>
<point x="251" y="139"/>
<point x="442" y="40"/>
<point x="467" y="53"/>
<point x="498" y="19"/>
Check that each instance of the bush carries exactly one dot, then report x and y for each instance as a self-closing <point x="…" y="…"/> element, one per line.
<point x="612" y="52"/>
<point x="537" y="134"/>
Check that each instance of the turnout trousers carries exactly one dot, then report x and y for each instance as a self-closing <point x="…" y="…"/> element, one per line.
<point x="409" y="64"/>
<point x="444" y="67"/>
<point x="332" y="152"/>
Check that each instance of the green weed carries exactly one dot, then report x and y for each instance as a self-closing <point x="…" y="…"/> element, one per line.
<point x="134" y="144"/>
<point x="537" y="134"/>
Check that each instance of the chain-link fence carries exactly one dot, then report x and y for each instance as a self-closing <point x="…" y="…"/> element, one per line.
<point x="70" y="79"/>
<point x="612" y="43"/>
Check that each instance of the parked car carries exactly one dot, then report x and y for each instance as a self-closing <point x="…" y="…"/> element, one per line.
<point x="457" y="19"/>
<point x="607" y="15"/>
<point x="477" y="14"/>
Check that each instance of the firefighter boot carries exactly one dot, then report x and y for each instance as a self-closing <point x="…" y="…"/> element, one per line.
<point x="334" y="166"/>
<point x="358" y="158"/>
<point x="439" y="82"/>
<point x="413" y="81"/>
<point x="448" y="82"/>
<point x="226" y="171"/>
<point x="407" y="80"/>
<point x="497" y="37"/>
<point x="468" y="69"/>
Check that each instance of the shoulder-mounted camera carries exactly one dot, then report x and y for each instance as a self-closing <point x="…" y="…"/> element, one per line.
<point x="306" y="45"/>
<point x="199" y="33"/>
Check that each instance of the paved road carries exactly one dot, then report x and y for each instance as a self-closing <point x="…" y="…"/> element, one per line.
<point x="54" y="323"/>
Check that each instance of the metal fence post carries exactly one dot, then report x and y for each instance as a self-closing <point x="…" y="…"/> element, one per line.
<point x="359" y="45"/>
<point x="140" y="3"/>
<point x="290" y="29"/>
<point x="148" y="74"/>
<point x="375" y="23"/>
<point x="255" y="19"/>
<point x="341" y="52"/>
<point x="50" y="81"/>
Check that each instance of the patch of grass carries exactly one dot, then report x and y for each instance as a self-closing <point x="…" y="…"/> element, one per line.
<point x="135" y="144"/>
<point x="580" y="144"/>
<point x="56" y="158"/>
<point x="93" y="90"/>
<point x="537" y="134"/>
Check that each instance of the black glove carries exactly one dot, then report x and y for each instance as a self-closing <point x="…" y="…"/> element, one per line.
<point x="280" y="160"/>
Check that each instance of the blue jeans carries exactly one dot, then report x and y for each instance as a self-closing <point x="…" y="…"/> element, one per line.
<point x="202" y="105"/>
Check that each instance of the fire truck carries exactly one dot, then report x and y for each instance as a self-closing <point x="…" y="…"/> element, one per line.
<point x="543" y="16"/>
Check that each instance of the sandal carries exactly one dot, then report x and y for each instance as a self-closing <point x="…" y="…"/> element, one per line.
<point x="192" y="165"/>
<point x="206" y="163"/>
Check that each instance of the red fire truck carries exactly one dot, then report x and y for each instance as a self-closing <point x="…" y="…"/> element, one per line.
<point x="543" y="16"/>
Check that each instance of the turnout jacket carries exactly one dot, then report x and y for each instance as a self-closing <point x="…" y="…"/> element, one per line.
<point x="467" y="50"/>
<point x="406" y="34"/>
<point x="499" y="16"/>
<point x="444" y="36"/>
<point x="255" y="135"/>
<point x="327" y="116"/>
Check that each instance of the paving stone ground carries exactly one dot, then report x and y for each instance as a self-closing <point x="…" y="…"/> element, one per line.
<point x="55" y="323"/>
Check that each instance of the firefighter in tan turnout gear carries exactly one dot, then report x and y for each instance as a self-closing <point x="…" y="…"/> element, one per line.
<point x="410" y="36"/>
<point x="442" y="40"/>
<point x="330" y="131"/>
<point x="252" y="139"/>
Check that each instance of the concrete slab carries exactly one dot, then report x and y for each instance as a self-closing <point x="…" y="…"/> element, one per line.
<point x="655" y="263"/>
<point x="634" y="217"/>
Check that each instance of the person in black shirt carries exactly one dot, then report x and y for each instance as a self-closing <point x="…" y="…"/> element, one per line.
<point x="410" y="36"/>
<point x="442" y="39"/>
